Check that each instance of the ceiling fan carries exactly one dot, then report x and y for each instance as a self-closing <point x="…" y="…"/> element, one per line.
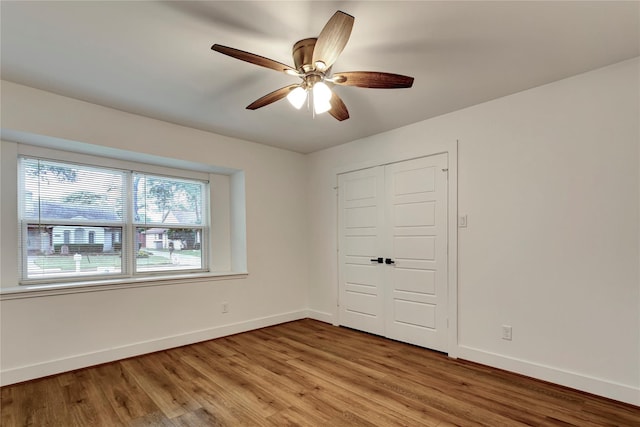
<point x="313" y="59"/>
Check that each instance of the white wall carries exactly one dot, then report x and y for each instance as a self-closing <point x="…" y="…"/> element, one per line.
<point x="44" y="335"/>
<point x="549" y="178"/>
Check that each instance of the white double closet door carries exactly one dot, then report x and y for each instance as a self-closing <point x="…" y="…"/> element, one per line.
<point x="393" y="251"/>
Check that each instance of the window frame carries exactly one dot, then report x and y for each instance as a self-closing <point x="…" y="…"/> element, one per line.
<point x="128" y="262"/>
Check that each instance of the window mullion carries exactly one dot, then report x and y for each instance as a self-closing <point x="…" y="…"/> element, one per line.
<point x="129" y="253"/>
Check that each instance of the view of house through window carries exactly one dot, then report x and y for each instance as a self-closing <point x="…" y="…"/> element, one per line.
<point x="79" y="221"/>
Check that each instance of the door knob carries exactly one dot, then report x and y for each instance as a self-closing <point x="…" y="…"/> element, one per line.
<point x="378" y="260"/>
<point x="389" y="261"/>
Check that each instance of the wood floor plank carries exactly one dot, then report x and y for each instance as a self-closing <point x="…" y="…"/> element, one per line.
<point x="330" y="393"/>
<point x="160" y="385"/>
<point x="375" y="397"/>
<point x="84" y="400"/>
<point x="152" y="419"/>
<point x="25" y="405"/>
<point x="251" y="389"/>
<point x="216" y="389"/>
<point x="199" y="417"/>
<point x="440" y="389"/>
<point x="8" y="416"/>
<point x="295" y="416"/>
<point x="303" y="373"/>
<point x="122" y="392"/>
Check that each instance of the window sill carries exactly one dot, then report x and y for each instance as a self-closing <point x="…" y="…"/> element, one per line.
<point x="45" y="290"/>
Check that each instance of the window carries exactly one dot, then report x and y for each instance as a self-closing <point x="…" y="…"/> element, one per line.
<point x="84" y="221"/>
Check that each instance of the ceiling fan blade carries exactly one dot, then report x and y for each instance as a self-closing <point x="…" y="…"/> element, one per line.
<point x="338" y="109"/>
<point x="253" y="58"/>
<point x="372" y="79"/>
<point x="332" y="40"/>
<point x="269" y="98"/>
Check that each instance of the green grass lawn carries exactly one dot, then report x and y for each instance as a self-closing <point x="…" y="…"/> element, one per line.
<point x="92" y="262"/>
<point x="95" y="262"/>
<point x="191" y="252"/>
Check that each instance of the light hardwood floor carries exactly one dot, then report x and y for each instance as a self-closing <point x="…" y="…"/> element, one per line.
<point x="301" y="373"/>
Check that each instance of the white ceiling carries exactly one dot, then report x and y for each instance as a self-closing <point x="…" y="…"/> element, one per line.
<point x="154" y="58"/>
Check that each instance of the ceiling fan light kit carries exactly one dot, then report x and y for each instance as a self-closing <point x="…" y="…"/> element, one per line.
<point x="297" y="97"/>
<point x="313" y="59"/>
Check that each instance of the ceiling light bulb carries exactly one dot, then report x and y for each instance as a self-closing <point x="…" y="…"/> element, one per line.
<point x="321" y="92"/>
<point x="321" y="97"/>
<point x="321" y="106"/>
<point x="297" y="97"/>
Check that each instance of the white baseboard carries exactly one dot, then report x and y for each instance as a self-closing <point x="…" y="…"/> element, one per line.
<point x="621" y="392"/>
<point x="51" y="367"/>
<point x="321" y="316"/>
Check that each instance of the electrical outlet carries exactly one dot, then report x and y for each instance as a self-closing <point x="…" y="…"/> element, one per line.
<point x="506" y="332"/>
<point x="225" y="307"/>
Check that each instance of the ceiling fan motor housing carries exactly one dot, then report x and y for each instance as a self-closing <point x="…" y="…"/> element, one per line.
<point x="303" y="55"/>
